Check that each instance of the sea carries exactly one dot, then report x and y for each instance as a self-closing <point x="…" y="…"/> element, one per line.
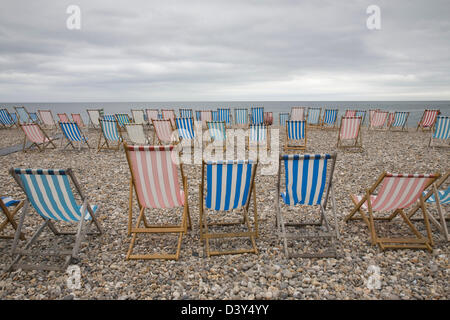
<point x="414" y="107"/>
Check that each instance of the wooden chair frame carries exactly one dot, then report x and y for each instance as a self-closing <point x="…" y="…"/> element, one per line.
<point x="252" y="233"/>
<point x="10" y="219"/>
<point x="18" y="116"/>
<point x="419" y="242"/>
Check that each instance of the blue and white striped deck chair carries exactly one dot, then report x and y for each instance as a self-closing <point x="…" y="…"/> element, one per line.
<point x="6" y="119"/>
<point x="229" y="187"/>
<point x="34" y="117"/>
<point x="283" y="117"/>
<point x="399" y="122"/>
<point x="185" y="127"/>
<point x="109" y="133"/>
<point x="50" y="193"/>
<point x="109" y="117"/>
<point x="295" y="135"/>
<point x="224" y="115"/>
<point x="257" y="115"/>
<point x="186" y="113"/>
<point x="314" y="116"/>
<point x="307" y="182"/>
<point x="329" y="119"/>
<point x="362" y="114"/>
<point x="258" y="133"/>
<point x="23" y="115"/>
<point x="73" y="134"/>
<point x="217" y="130"/>
<point x="441" y="132"/>
<point x="122" y="119"/>
<point x="215" y="115"/>
<point x="241" y="117"/>
<point x="198" y="115"/>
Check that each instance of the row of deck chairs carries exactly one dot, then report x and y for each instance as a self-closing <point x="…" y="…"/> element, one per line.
<point x="227" y="187"/>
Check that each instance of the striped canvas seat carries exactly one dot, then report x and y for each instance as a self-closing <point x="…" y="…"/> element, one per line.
<point x="154" y="177"/>
<point x="379" y="119"/>
<point x="215" y="116"/>
<point x="72" y="133"/>
<point x="76" y="117"/>
<point x="47" y="118"/>
<point x="330" y="118"/>
<point x="94" y="117"/>
<point x="50" y="193"/>
<point x="350" y="113"/>
<point x="36" y="136"/>
<point x="241" y="117"/>
<point x="198" y="115"/>
<point x="186" y="113"/>
<point x="362" y="114"/>
<point x="110" y="134"/>
<point x="396" y="192"/>
<point x="257" y="115"/>
<point x="5" y="118"/>
<point x="399" y="120"/>
<point x="224" y="115"/>
<point x="122" y="119"/>
<point x="350" y="131"/>
<point x="9" y="201"/>
<point x="185" y="128"/>
<point x="14" y="117"/>
<point x="298" y="114"/>
<point x="390" y="119"/>
<point x="205" y="116"/>
<point x="314" y="116"/>
<point x="136" y="133"/>
<point x="441" y="130"/>
<point x="258" y="133"/>
<point x="229" y="186"/>
<point x="283" y="117"/>
<point x="63" y="117"/>
<point x="217" y="130"/>
<point x="163" y="130"/>
<point x="34" y="117"/>
<point x="152" y="114"/>
<point x="109" y="117"/>
<point x="428" y="119"/>
<point x="295" y="134"/>
<point x="307" y="181"/>
<point x="268" y="118"/>
<point x="138" y="116"/>
<point x="22" y="114"/>
<point x="444" y="196"/>
<point x="169" y="114"/>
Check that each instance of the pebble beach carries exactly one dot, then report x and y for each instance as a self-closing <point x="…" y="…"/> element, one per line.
<point x="106" y="274"/>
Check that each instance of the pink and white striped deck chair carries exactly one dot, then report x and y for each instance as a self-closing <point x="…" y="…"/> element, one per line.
<point x="350" y="130"/>
<point x="350" y="113"/>
<point x="428" y="119"/>
<point x="76" y="117"/>
<point x="378" y="120"/>
<point x="163" y="131"/>
<point x="169" y="114"/>
<point x="298" y="113"/>
<point x="154" y="179"/>
<point x="63" y="117"/>
<point x="395" y="192"/>
<point x="47" y="118"/>
<point x="36" y="136"/>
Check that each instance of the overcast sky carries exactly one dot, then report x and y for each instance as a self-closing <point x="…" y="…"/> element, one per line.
<point x="224" y="50"/>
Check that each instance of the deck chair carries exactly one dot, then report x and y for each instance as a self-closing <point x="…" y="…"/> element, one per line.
<point x="350" y="131"/>
<point x="186" y="130"/>
<point x="314" y="116"/>
<point x="47" y="118"/>
<point x="378" y="121"/>
<point x="283" y="117"/>
<point x="295" y="135"/>
<point x="23" y="115"/>
<point x="136" y="133"/>
<point x="76" y="117"/>
<point x="362" y="114"/>
<point x="163" y="131"/>
<point x="94" y="118"/>
<point x="298" y="114"/>
<point x="350" y="113"/>
<point x="399" y="121"/>
<point x="214" y="115"/>
<point x="37" y="137"/>
<point x="63" y="117"/>
<point x="34" y="117"/>
<point x="169" y="114"/>
<point x="241" y="117"/>
<point x="110" y="133"/>
<point x="73" y="135"/>
<point x="217" y="130"/>
<point x="307" y="183"/>
<point x="371" y="113"/>
<point x="229" y="186"/>
<point x="441" y="132"/>
<point x="186" y="113"/>
<point x="50" y="194"/>
<point x="198" y="115"/>
<point x="14" y="117"/>
<point x="154" y="179"/>
<point x="396" y="192"/>
<point x="224" y="115"/>
<point x="5" y="118"/>
<point x="329" y="120"/>
<point x="268" y="118"/>
<point x="257" y="114"/>
<point x="109" y="117"/>
<point x="152" y="114"/>
<point x="138" y="116"/>
<point x="428" y="119"/>
<point x="122" y="119"/>
<point x="7" y="203"/>
<point x="205" y="116"/>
